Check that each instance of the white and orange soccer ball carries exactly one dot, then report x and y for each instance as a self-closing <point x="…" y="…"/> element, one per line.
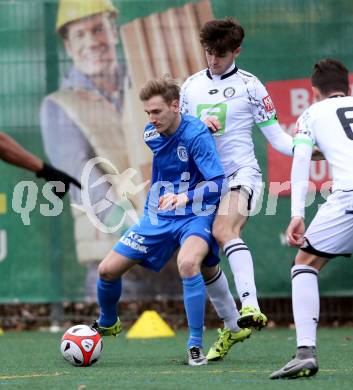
<point x="81" y="345"/>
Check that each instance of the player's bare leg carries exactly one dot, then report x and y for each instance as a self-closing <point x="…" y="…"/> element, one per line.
<point x="231" y="217"/>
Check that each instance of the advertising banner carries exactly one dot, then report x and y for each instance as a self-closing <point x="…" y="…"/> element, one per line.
<point x="291" y="98"/>
<point x="52" y="103"/>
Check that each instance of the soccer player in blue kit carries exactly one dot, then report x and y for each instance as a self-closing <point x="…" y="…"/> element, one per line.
<point x="187" y="179"/>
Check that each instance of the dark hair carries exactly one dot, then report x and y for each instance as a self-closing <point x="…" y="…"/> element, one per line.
<point x="221" y="35"/>
<point x="330" y="76"/>
<point x="165" y="87"/>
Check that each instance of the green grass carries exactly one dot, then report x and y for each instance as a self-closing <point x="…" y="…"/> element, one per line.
<point x="32" y="360"/>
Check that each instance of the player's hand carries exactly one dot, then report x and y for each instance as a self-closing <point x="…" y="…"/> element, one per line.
<point x="212" y="123"/>
<point x="50" y="173"/>
<point x="171" y="201"/>
<point x="295" y="232"/>
<point x="317" y="154"/>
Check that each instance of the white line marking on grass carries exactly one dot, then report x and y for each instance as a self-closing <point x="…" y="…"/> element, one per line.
<point x="34" y="375"/>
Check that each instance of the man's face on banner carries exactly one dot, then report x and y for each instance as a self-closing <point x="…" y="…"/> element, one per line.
<point x="90" y="42"/>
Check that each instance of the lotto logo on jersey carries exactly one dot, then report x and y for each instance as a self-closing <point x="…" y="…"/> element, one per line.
<point x="218" y="110"/>
<point x="268" y="103"/>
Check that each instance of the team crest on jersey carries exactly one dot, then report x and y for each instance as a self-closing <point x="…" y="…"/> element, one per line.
<point x="182" y="153"/>
<point x="268" y="103"/>
<point x="229" y="92"/>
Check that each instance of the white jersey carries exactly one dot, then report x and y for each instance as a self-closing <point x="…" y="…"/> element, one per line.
<point x="329" y="125"/>
<point x="238" y="100"/>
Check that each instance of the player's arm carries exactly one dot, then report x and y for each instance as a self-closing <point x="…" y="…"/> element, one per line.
<point x="264" y="114"/>
<point x="274" y="134"/>
<point x="299" y="184"/>
<point x="206" y="157"/>
<point x="204" y="153"/>
<point x="13" y="153"/>
<point x="283" y="142"/>
<point x="206" y="191"/>
<point x="265" y="117"/>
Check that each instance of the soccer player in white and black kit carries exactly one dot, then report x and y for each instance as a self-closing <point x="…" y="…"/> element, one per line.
<point x="231" y="101"/>
<point x="327" y="124"/>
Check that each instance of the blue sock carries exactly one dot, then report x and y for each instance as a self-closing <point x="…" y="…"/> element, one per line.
<point x="108" y="294"/>
<point x="194" y="303"/>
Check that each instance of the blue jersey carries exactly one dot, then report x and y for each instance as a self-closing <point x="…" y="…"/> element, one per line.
<point x="182" y="161"/>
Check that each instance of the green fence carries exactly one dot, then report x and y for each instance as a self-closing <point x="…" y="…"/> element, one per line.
<point x="283" y="39"/>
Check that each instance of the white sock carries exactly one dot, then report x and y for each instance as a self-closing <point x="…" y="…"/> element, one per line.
<point x="306" y="303"/>
<point x="222" y="300"/>
<point x="241" y="263"/>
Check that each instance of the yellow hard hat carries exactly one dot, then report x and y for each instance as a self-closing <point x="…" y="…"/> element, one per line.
<point x="71" y="10"/>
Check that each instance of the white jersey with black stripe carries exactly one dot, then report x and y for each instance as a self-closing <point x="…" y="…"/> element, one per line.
<point x="239" y="100"/>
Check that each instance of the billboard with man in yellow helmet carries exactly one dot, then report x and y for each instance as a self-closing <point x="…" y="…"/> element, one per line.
<point x="96" y="114"/>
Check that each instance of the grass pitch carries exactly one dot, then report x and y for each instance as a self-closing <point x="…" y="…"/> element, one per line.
<point x="32" y="360"/>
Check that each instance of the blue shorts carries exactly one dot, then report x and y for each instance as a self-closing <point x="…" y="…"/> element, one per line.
<point x="155" y="244"/>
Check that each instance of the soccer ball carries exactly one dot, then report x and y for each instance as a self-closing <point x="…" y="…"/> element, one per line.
<point x="81" y="345"/>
